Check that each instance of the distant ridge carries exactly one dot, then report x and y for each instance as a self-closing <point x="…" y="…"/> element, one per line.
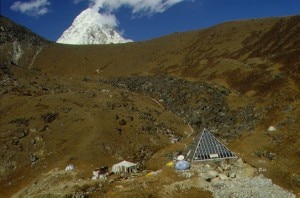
<point x="11" y="31"/>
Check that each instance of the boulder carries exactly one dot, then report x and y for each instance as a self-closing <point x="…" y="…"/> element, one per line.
<point x="212" y="173"/>
<point x="70" y="167"/>
<point x="21" y="133"/>
<point x="219" y="169"/>
<point x="214" y="180"/>
<point x="49" y="117"/>
<point x="209" y="175"/>
<point x="222" y="177"/>
<point x="232" y="175"/>
<point x="239" y="162"/>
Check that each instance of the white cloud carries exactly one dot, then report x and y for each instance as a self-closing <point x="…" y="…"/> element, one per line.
<point x="32" y="8"/>
<point x="106" y="8"/>
<point x="140" y="7"/>
<point x="105" y="18"/>
<point x="137" y="6"/>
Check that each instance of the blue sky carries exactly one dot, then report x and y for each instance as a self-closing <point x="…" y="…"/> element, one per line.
<point x="142" y="19"/>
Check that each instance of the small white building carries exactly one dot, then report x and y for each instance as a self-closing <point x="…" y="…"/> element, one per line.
<point x="124" y="167"/>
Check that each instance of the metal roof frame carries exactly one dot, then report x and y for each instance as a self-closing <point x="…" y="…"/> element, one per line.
<point x="210" y="149"/>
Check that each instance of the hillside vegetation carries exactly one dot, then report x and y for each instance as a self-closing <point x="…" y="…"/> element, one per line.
<point x="95" y="105"/>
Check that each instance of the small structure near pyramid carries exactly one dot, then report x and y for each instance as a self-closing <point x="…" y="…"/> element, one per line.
<point x="209" y="148"/>
<point x="124" y="167"/>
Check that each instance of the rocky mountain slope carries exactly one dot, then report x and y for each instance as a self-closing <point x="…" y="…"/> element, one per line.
<point x="89" y="28"/>
<point x="64" y="104"/>
<point x="17" y="44"/>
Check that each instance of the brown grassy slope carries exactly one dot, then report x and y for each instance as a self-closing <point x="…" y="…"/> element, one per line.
<point x="96" y="125"/>
<point x="189" y="50"/>
<point x="236" y="53"/>
<point x="257" y="60"/>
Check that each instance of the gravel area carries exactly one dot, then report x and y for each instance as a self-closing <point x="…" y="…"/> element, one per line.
<point x="259" y="187"/>
<point x="235" y="179"/>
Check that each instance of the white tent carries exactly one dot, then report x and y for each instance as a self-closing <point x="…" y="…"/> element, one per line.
<point x="124" y="167"/>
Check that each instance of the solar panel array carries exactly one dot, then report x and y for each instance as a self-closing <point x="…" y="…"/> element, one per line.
<point x="209" y="148"/>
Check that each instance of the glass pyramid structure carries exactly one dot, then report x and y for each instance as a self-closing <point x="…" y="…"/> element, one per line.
<point x="209" y="148"/>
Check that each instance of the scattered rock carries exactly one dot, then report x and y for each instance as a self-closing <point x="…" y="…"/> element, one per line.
<point x="32" y="130"/>
<point x="174" y="139"/>
<point x="296" y="180"/>
<point x="198" y="103"/>
<point x="212" y="173"/>
<point x="219" y="169"/>
<point x="240" y="181"/>
<point x="214" y="180"/>
<point x="232" y="175"/>
<point x="265" y="154"/>
<point x="217" y="183"/>
<point x="49" y="117"/>
<point x="122" y="122"/>
<point x="44" y="128"/>
<point x="15" y="141"/>
<point x="209" y="175"/>
<point x="258" y="186"/>
<point x="207" y="166"/>
<point x="225" y="166"/>
<point x="70" y="167"/>
<point x="21" y="133"/>
<point x="33" y="158"/>
<point x="32" y="141"/>
<point x="260" y="170"/>
<point x="239" y="162"/>
<point x="119" y="130"/>
<point x="20" y="122"/>
<point x="222" y="177"/>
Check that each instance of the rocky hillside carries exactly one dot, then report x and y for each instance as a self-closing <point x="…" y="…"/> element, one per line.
<point x="97" y="105"/>
<point x="11" y="31"/>
<point x="18" y="45"/>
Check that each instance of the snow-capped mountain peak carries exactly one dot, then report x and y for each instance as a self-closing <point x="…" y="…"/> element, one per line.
<point x="91" y="27"/>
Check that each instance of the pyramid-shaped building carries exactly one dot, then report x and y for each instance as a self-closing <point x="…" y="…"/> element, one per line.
<point x="209" y="148"/>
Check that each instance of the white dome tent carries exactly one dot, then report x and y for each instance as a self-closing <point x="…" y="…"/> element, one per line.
<point x="124" y="167"/>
